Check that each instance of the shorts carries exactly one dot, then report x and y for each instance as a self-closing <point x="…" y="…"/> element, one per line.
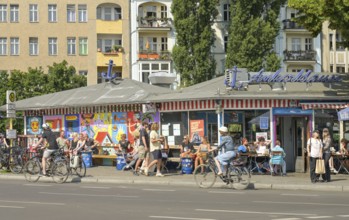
<point x="141" y="152"/>
<point x="225" y="157"/>
<point x="157" y="154"/>
<point x="48" y="153"/>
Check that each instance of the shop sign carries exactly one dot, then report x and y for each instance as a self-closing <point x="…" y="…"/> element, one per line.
<point x="343" y="115"/>
<point x="277" y="77"/>
<point x="291" y="111"/>
<point x="264" y="123"/>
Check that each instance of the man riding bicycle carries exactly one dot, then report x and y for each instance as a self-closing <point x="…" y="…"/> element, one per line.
<point x="228" y="153"/>
<point x="50" y="144"/>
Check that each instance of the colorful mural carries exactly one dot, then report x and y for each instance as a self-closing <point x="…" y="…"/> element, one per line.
<point x="71" y="125"/>
<point x="33" y="125"/>
<point x="133" y="122"/>
<point x="86" y="122"/>
<point x="55" y="122"/>
<point x="119" y="126"/>
<point x="101" y="123"/>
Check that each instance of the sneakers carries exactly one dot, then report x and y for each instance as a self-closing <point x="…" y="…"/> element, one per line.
<point x="146" y="171"/>
<point x="334" y="171"/>
<point x="41" y="174"/>
<point x="159" y="175"/>
<point x="220" y="174"/>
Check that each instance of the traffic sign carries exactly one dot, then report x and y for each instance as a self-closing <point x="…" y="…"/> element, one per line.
<point x="10" y="96"/>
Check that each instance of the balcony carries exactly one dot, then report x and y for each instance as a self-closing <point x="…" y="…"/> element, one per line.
<point x="104" y="57"/>
<point x="109" y="27"/>
<point x="288" y="24"/>
<point x="154" y="55"/>
<point x="154" y="24"/>
<point x="299" y="55"/>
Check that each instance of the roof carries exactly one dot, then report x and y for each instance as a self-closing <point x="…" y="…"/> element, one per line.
<point x="124" y="91"/>
<point x="101" y="135"/>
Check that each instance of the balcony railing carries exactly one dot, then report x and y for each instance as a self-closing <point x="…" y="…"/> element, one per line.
<point x="299" y="55"/>
<point x="288" y="24"/>
<point x="154" y="55"/>
<point x="151" y="22"/>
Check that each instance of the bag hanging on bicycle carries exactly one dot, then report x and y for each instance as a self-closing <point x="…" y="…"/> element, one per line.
<point x="74" y="162"/>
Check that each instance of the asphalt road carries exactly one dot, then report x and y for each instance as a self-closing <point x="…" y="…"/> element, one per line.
<point x="23" y="200"/>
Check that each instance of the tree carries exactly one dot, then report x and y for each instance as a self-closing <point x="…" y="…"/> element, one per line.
<point x="192" y="55"/>
<point x="253" y="29"/>
<point x="313" y="13"/>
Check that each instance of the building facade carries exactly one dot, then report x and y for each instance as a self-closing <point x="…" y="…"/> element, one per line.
<point x="85" y="34"/>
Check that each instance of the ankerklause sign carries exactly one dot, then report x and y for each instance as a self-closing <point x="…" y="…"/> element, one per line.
<point x="278" y="77"/>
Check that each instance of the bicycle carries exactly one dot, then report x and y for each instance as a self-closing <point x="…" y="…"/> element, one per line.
<point x="57" y="167"/>
<point x="236" y="176"/>
<point x="11" y="158"/>
<point x="79" y="169"/>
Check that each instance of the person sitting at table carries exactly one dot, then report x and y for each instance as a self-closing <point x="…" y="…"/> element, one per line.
<point x="187" y="148"/>
<point x="262" y="149"/>
<point x="124" y="144"/>
<point x="343" y="147"/>
<point x="278" y="159"/>
<point x="201" y="153"/>
<point x="91" y="144"/>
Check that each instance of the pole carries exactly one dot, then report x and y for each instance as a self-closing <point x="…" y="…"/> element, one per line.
<point x="11" y="129"/>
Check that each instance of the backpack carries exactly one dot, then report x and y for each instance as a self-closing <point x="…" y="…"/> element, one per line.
<point x="196" y="139"/>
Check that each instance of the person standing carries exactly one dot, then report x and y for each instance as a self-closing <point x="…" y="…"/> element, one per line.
<point x="143" y="145"/>
<point x="62" y="142"/>
<point x="155" y="149"/>
<point x="48" y="139"/>
<point x="314" y="149"/>
<point x="3" y="140"/>
<point x="327" y="143"/>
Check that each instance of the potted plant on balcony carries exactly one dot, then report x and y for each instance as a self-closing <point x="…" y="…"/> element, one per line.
<point x="118" y="48"/>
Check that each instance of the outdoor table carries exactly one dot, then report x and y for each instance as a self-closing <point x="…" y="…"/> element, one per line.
<point x="257" y="159"/>
<point x="341" y="160"/>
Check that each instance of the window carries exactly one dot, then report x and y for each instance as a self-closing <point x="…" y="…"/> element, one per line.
<point x="52" y="13"/>
<point x="33" y="13"/>
<point x="83" y="46"/>
<point x="33" y="46"/>
<point x="163" y="12"/>
<point x="226" y="12"/>
<point x="83" y="72"/>
<point x="105" y="43"/>
<point x="308" y="44"/>
<point x="164" y="44"/>
<point x="152" y="43"/>
<point x="296" y="44"/>
<point x="82" y="13"/>
<point x="71" y="46"/>
<point x="147" y="68"/>
<point x="14" y="13"/>
<point x="109" y="13"/>
<point x="71" y="15"/>
<point x="3" y="13"/>
<point x="14" y="46"/>
<point x="52" y="46"/>
<point x="225" y="43"/>
<point x="117" y="13"/>
<point x="151" y="11"/>
<point x="3" y="46"/>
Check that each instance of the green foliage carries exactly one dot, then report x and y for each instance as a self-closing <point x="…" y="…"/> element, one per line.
<point x="34" y="83"/>
<point x="313" y="13"/>
<point x="253" y="29"/>
<point x="192" y="55"/>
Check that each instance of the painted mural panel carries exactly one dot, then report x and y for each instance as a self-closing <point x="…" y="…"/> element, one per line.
<point x="133" y="122"/>
<point x="101" y="125"/>
<point x="86" y="123"/>
<point x="71" y="125"/>
<point x="33" y="125"/>
<point x="119" y="126"/>
<point x="55" y="122"/>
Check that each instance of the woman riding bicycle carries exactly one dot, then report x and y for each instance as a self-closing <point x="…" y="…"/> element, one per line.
<point x="228" y="153"/>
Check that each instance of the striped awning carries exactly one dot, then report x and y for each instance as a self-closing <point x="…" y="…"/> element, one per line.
<point x="324" y="105"/>
<point x="227" y="104"/>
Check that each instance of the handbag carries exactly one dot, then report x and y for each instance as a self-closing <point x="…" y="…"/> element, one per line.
<point x="320" y="166"/>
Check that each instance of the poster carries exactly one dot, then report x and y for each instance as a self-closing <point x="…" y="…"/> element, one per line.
<point x="55" y="122"/>
<point x="119" y="126"/>
<point x="264" y="123"/>
<point x="171" y="140"/>
<point x="71" y="125"/>
<point x="196" y="127"/>
<point x="34" y="125"/>
<point x="176" y="129"/>
<point x="165" y="131"/>
<point x="261" y="134"/>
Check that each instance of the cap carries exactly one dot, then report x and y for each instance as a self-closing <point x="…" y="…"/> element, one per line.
<point x="45" y="126"/>
<point x="223" y="129"/>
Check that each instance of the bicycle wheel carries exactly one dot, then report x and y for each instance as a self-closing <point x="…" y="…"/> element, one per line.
<point x="81" y="169"/>
<point x="31" y="171"/>
<point x="204" y="176"/>
<point x="60" y="171"/>
<point x="16" y="164"/>
<point x="239" y="178"/>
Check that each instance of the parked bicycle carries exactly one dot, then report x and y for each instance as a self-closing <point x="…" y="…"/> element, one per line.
<point x="77" y="165"/>
<point x="236" y="176"/>
<point x="57" y="167"/>
<point x="11" y="158"/>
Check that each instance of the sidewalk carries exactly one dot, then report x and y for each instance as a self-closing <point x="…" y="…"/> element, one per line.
<point x="293" y="181"/>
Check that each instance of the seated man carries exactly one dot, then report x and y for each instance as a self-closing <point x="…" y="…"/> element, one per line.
<point x="278" y="158"/>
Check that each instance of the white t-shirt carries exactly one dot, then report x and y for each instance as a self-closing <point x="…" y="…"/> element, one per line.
<point x="315" y="146"/>
<point x="155" y="145"/>
<point x="261" y="149"/>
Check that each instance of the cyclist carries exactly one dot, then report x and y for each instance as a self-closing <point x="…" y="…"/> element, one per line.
<point x="228" y="145"/>
<point x="50" y="144"/>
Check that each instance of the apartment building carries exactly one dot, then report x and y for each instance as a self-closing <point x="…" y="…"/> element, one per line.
<point x="87" y="34"/>
<point x="152" y="38"/>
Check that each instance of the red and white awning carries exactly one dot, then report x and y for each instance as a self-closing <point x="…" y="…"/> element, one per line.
<point x="323" y="105"/>
<point x="227" y="104"/>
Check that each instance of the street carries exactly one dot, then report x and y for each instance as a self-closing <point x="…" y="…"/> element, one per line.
<point x="20" y="199"/>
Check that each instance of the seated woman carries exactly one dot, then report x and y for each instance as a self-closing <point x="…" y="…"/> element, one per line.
<point x="201" y="153"/>
<point x="228" y="146"/>
<point x="278" y="158"/>
<point x="343" y="147"/>
<point x="262" y="150"/>
<point x="187" y="148"/>
<point x="124" y="145"/>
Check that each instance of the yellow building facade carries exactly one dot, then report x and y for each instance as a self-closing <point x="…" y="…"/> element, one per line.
<point x="86" y="33"/>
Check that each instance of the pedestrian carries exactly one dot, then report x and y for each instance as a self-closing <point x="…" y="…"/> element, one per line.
<point x="314" y="149"/>
<point x="143" y="146"/>
<point x="155" y="149"/>
<point x="3" y="141"/>
<point x="62" y="141"/>
<point x="327" y="143"/>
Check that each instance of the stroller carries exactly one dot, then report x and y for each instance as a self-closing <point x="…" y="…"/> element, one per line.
<point x="131" y="160"/>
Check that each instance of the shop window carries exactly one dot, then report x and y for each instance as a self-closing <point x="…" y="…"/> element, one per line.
<point x="174" y="125"/>
<point x="328" y="118"/>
